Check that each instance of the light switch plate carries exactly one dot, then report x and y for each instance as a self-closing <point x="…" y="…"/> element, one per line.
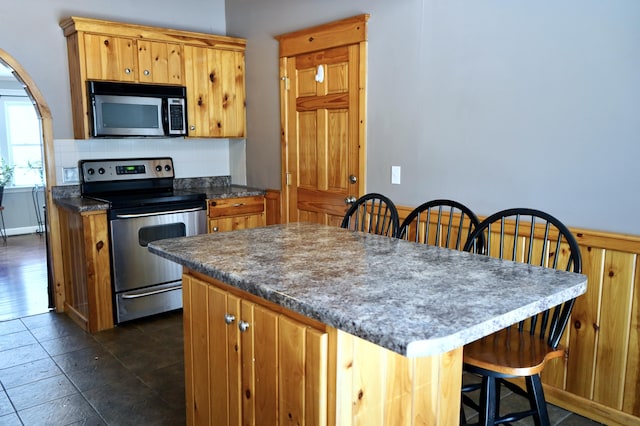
<point x="395" y="175"/>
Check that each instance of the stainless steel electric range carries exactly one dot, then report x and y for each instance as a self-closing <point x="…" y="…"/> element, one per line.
<point x="143" y="207"/>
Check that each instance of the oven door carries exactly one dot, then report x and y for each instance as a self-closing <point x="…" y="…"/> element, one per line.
<point x="144" y="283"/>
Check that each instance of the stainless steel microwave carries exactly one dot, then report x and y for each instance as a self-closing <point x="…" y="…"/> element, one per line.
<point x="129" y="109"/>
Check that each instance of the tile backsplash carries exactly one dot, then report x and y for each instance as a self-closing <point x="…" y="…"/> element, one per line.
<point x="191" y="157"/>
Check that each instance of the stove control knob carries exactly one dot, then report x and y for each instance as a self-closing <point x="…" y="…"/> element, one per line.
<point x="101" y="171"/>
<point x="90" y="171"/>
<point x="158" y="168"/>
<point x="167" y="168"/>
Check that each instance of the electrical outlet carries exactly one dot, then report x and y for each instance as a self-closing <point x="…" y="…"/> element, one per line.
<point x="395" y="175"/>
<point x="70" y="175"/>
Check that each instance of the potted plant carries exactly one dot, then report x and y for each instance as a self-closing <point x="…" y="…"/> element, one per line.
<point x="6" y="175"/>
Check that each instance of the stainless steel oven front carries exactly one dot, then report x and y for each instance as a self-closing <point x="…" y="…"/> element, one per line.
<point x="145" y="284"/>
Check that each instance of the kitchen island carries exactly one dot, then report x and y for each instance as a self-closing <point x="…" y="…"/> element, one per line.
<point x="319" y="325"/>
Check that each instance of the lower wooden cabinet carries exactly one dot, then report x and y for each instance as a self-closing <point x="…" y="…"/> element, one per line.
<point x="247" y="363"/>
<point x="230" y="214"/>
<point x="87" y="271"/>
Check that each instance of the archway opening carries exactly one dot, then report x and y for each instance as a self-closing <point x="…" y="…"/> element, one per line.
<point x="30" y="193"/>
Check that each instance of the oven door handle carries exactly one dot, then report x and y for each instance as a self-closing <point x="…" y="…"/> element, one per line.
<point x="134" y="215"/>
<point x="150" y="293"/>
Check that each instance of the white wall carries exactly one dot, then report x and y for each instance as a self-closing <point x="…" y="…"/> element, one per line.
<point x="496" y="104"/>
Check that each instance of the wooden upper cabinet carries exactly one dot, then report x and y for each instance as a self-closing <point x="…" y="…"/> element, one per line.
<point x="109" y="58"/>
<point x="211" y="67"/>
<point x="159" y="62"/>
<point x="215" y="82"/>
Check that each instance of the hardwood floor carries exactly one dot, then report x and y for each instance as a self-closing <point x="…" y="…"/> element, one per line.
<point x="23" y="277"/>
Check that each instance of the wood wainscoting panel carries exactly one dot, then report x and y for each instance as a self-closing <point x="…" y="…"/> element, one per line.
<point x="600" y="376"/>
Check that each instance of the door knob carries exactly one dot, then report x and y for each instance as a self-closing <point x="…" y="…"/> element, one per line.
<point x="353" y="178"/>
<point x="350" y="199"/>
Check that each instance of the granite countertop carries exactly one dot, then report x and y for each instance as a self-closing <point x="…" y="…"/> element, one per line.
<point x="215" y="187"/>
<point x="413" y="299"/>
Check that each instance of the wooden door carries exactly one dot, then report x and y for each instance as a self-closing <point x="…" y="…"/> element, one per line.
<point x="323" y="76"/>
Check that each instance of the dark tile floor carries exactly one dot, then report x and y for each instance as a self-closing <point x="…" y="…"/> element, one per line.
<point x="53" y="373"/>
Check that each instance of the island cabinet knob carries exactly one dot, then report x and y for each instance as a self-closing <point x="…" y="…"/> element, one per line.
<point x="350" y="199"/>
<point x="127" y="70"/>
<point x="228" y="318"/>
<point x="243" y="326"/>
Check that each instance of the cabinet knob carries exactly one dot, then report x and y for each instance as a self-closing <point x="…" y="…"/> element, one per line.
<point x="146" y="72"/>
<point x="192" y="127"/>
<point x="214" y="229"/>
<point x="127" y="70"/>
<point x="243" y="326"/>
<point x="350" y="199"/>
<point x="228" y="318"/>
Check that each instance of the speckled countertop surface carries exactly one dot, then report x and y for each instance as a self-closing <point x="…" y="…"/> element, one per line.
<point x="414" y="299"/>
<point x="215" y="187"/>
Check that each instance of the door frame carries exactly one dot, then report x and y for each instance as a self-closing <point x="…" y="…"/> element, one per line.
<point x="54" y="248"/>
<point x="343" y="32"/>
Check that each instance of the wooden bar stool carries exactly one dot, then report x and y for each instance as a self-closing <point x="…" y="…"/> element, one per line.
<point x="537" y="238"/>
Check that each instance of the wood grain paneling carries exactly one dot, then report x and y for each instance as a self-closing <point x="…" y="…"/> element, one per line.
<point x="87" y="271"/>
<point x="274" y="372"/>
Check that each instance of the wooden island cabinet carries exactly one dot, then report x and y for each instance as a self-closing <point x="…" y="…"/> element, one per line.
<point x="277" y="332"/>
<point x="211" y="67"/>
<point x="247" y="362"/>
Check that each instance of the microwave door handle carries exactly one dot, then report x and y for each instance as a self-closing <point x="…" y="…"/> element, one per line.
<point x="94" y="117"/>
<point x="165" y="116"/>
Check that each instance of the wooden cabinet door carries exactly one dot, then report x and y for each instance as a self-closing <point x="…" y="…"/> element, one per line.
<point x="224" y="359"/>
<point x="272" y="372"/>
<point x="159" y="62"/>
<point x="110" y="58"/>
<point x="224" y="224"/>
<point x="259" y="345"/>
<point x="302" y="378"/>
<point x="229" y="95"/>
<point x="215" y="91"/>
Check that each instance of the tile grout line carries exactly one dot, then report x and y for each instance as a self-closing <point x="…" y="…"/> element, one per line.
<point x="63" y="373"/>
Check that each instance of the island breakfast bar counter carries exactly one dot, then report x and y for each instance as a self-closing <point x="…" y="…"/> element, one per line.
<point x="388" y="318"/>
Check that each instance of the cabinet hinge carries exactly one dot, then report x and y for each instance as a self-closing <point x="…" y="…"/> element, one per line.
<point x="285" y="79"/>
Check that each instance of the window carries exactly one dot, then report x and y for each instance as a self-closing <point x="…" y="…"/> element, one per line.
<point x="20" y="137"/>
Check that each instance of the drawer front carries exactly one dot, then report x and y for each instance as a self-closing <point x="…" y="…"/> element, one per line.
<point x="235" y="206"/>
